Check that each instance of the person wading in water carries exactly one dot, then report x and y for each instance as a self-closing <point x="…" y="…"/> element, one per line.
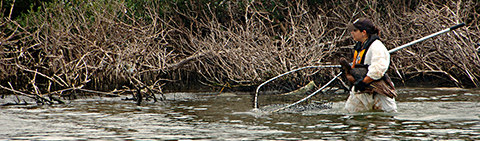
<point x="372" y="88"/>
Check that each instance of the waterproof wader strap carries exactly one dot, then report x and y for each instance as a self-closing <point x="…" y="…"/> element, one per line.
<point x="358" y="57"/>
<point x="361" y="49"/>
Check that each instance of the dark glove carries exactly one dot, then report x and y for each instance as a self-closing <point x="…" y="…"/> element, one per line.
<point x="360" y="85"/>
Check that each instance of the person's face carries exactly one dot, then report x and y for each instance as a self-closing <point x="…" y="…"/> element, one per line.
<point x="359" y="35"/>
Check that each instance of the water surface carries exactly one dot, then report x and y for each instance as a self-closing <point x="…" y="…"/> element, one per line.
<point x="423" y="114"/>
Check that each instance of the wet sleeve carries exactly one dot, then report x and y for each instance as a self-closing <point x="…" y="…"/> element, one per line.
<point x="379" y="62"/>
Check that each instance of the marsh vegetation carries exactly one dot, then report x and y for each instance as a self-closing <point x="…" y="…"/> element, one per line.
<point x="54" y="49"/>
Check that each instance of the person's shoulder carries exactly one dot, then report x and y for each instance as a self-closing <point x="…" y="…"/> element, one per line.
<point x="378" y="43"/>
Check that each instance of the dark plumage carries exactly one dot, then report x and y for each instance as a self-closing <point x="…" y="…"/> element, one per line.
<point x="384" y="86"/>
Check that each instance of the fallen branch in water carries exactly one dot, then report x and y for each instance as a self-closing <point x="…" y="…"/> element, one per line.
<point x="16" y="103"/>
<point x="18" y="92"/>
<point x="37" y="97"/>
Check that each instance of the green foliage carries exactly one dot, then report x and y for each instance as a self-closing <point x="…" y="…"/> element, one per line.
<point x="20" y="7"/>
<point x="139" y="9"/>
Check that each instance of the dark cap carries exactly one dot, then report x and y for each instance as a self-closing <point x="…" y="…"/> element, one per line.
<point x="362" y="24"/>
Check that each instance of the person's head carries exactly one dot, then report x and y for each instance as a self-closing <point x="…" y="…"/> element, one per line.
<point x="361" y="29"/>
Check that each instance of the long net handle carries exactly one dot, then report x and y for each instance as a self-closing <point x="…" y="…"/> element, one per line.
<point x="338" y="66"/>
<point x="271" y="79"/>
<point x="314" y="93"/>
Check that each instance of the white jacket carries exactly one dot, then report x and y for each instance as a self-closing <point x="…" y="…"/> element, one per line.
<point x="378" y="59"/>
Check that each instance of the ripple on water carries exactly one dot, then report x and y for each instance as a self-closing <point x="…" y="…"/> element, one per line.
<point x="339" y="127"/>
<point x="228" y="117"/>
<point x="200" y="109"/>
<point x="284" y="123"/>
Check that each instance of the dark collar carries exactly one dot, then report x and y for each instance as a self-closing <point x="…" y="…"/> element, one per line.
<point x="367" y="43"/>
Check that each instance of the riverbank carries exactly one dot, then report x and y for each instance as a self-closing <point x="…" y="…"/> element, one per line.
<point x="149" y="47"/>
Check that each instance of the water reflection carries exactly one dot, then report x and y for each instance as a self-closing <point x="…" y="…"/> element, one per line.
<point x="424" y="114"/>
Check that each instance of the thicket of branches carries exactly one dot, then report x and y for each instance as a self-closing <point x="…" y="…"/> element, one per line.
<point x="110" y="45"/>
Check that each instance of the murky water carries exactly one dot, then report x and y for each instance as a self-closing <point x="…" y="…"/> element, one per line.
<point x="423" y="114"/>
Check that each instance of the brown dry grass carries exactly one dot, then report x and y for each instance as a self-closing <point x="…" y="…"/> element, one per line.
<point x="64" y="50"/>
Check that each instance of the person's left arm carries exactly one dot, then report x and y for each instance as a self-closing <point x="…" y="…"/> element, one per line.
<point x="380" y="60"/>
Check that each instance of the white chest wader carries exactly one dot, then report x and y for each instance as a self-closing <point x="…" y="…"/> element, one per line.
<point x="380" y="95"/>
